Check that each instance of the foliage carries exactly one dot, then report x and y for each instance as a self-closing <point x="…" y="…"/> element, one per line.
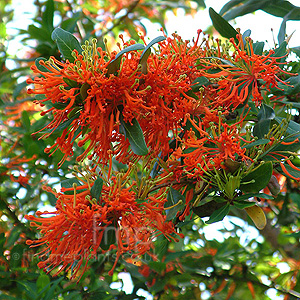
<point x="117" y="152"/>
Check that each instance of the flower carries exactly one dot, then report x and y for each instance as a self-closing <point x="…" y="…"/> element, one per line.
<point x="88" y="96"/>
<point x="240" y="73"/>
<point x="82" y="225"/>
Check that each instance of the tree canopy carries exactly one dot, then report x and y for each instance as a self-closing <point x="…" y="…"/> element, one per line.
<point x="118" y="153"/>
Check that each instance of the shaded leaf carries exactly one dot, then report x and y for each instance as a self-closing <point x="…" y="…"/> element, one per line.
<point x="97" y="188"/>
<point x="256" y="143"/>
<point x="114" y="65"/>
<point x="243" y="204"/>
<point x="145" y="54"/>
<point x="39" y="66"/>
<point x="265" y="115"/>
<point x="66" y="43"/>
<point x="207" y="209"/>
<point x="258" y="48"/>
<point x="258" y="178"/>
<point x="48" y="15"/>
<point x="219" y="214"/>
<point x="135" y="136"/>
<point x="173" y="198"/>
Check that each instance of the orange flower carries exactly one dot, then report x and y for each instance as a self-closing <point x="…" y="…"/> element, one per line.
<point x="210" y="147"/>
<point x="240" y="73"/>
<point x="81" y="225"/>
<point x="87" y="101"/>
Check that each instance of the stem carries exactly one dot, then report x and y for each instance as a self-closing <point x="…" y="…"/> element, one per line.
<point x="119" y="21"/>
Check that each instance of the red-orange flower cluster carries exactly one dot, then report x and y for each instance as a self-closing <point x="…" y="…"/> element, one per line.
<point x="82" y="226"/>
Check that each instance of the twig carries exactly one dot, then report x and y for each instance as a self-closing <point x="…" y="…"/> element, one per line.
<point x="255" y="282"/>
<point x="119" y="21"/>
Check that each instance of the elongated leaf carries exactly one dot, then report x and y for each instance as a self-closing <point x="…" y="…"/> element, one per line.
<point x="65" y="124"/>
<point x="293" y="172"/>
<point x="265" y="115"/>
<point x="256" y="143"/>
<point x="281" y="51"/>
<point x="66" y="43"/>
<point x="48" y="15"/>
<point x="68" y="183"/>
<point x="39" y="33"/>
<point x="258" y="48"/>
<point x="251" y="195"/>
<point x="219" y="214"/>
<point x="109" y="236"/>
<point x="245" y="8"/>
<point x="229" y="5"/>
<point x="114" y="65"/>
<point x="97" y="189"/>
<point x="282" y="8"/>
<point x="39" y="66"/>
<point x="207" y="209"/>
<point x="243" y="204"/>
<point x="258" y="178"/>
<point x="145" y="54"/>
<point x="221" y="25"/>
<point x="173" y="198"/>
<point x="134" y="134"/>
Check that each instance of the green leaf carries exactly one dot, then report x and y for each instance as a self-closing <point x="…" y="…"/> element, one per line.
<point x="281" y="51"/>
<point x="199" y="82"/>
<point x="251" y="195"/>
<point x="109" y="237"/>
<point x="51" y="291"/>
<point x="241" y="9"/>
<point x="97" y="189"/>
<point x="173" y="198"/>
<point x="256" y="143"/>
<point x="293" y="172"/>
<point x="221" y="25"/>
<point x="42" y="281"/>
<point x="65" y="124"/>
<point x="66" y="43"/>
<point x="208" y="208"/>
<point x="18" y="89"/>
<point x="39" y="66"/>
<point x="229" y="5"/>
<point x="40" y="34"/>
<point x="25" y="120"/>
<point x="145" y="54"/>
<point x="13" y="237"/>
<point x="219" y="214"/>
<point x="68" y="183"/>
<point x="71" y="83"/>
<point x="114" y="65"/>
<point x="258" y="178"/>
<point x="264" y="116"/>
<point x="16" y="255"/>
<point x="48" y="15"/>
<point x="291" y="87"/>
<point x="282" y="8"/>
<point x="243" y="204"/>
<point x="3" y="33"/>
<point x="135" y="136"/>
<point x="247" y="33"/>
<point x="83" y="90"/>
<point x="258" y="48"/>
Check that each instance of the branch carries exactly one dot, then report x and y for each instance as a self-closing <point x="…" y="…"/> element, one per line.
<point x="255" y="282"/>
<point x="13" y="216"/>
<point x="119" y="21"/>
